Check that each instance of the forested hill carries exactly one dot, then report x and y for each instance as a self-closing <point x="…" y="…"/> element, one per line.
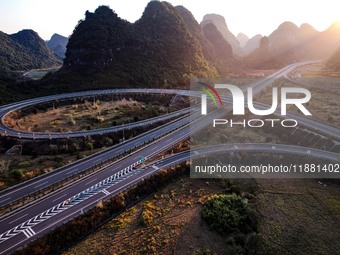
<point x="156" y="50"/>
<point x="23" y="51"/>
<point x="57" y="44"/>
<point x="216" y="50"/>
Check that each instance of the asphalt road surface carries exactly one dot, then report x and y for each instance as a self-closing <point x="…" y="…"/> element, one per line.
<point x="34" y="185"/>
<point x="36" y="220"/>
<point x="258" y="86"/>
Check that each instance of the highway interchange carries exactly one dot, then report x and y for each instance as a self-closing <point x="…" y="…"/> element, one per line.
<point x="33" y="221"/>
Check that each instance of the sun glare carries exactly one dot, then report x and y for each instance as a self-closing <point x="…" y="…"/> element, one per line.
<point x="337" y="23"/>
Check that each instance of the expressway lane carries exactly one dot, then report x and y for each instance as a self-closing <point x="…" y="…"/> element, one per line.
<point x="32" y="186"/>
<point x="257" y="87"/>
<point x="11" y="231"/>
<point x="23" y="190"/>
<point x="316" y="125"/>
<point x="21" y="234"/>
<point x="260" y="85"/>
<point x="138" y="174"/>
<point x="29" y="188"/>
<point x="222" y="149"/>
<point x="41" y="229"/>
<point x="89" y="181"/>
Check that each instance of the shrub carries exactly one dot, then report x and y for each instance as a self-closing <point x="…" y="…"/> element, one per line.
<point x="18" y="174"/>
<point x="147" y="217"/>
<point x="26" y="164"/>
<point x="89" y="146"/>
<point x="58" y="159"/>
<point x="228" y="214"/>
<point x="81" y="155"/>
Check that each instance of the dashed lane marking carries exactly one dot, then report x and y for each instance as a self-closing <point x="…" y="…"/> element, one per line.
<point x="106" y="192"/>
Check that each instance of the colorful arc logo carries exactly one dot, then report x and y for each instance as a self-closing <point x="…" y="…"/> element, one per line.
<point x="209" y="90"/>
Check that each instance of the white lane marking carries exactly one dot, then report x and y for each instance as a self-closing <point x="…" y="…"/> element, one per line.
<point x="91" y="181"/>
<point x="5" y="200"/>
<point x="17" y="189"/>
<point x="59" y="197"/>
<point x="59" y="207"/>
<point x="40" y="184"/>
<point x="26" y="234"/>
<point x="154" y="148"/>
<point x="18" y="218"/>
<point x="49" y="226"/>
<point x="106" y="192"/>
<point x="100" y="159"/>
<point x="29" y="232"/>
<point x="74" y="170"/>
<point x="38" y="181"/>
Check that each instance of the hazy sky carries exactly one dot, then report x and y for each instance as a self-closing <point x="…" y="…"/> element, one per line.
<point x="248" y="16"/>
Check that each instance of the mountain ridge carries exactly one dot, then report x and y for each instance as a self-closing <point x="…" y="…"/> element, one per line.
<point x="252" y="44"/>
<point x="23" y="51"/>
<point x="58" y="44"/>
<point x="262" y="57"/>
<point x="157" y="49"/>
<point x="242" y="39"/>
<point x="222" y="27"/>
<point x="289" y="43"/>
<point x="216" y="49"/>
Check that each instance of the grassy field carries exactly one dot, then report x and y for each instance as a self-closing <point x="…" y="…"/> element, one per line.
<point x="225" y="134"/>
<point x="17" y="168"/>
<point x="169" y="222"/>
<point x="84" y="116"/>
<point x="296" y="217"/>
<point x="325" y="92"/>
<point x="315" y="70"/>
<point x="299" y="216"/>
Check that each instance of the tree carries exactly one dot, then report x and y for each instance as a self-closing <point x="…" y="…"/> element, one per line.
<point x="227" y="214"/>
<point x="89" y="146"/>
<point x="18" y="174"/>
